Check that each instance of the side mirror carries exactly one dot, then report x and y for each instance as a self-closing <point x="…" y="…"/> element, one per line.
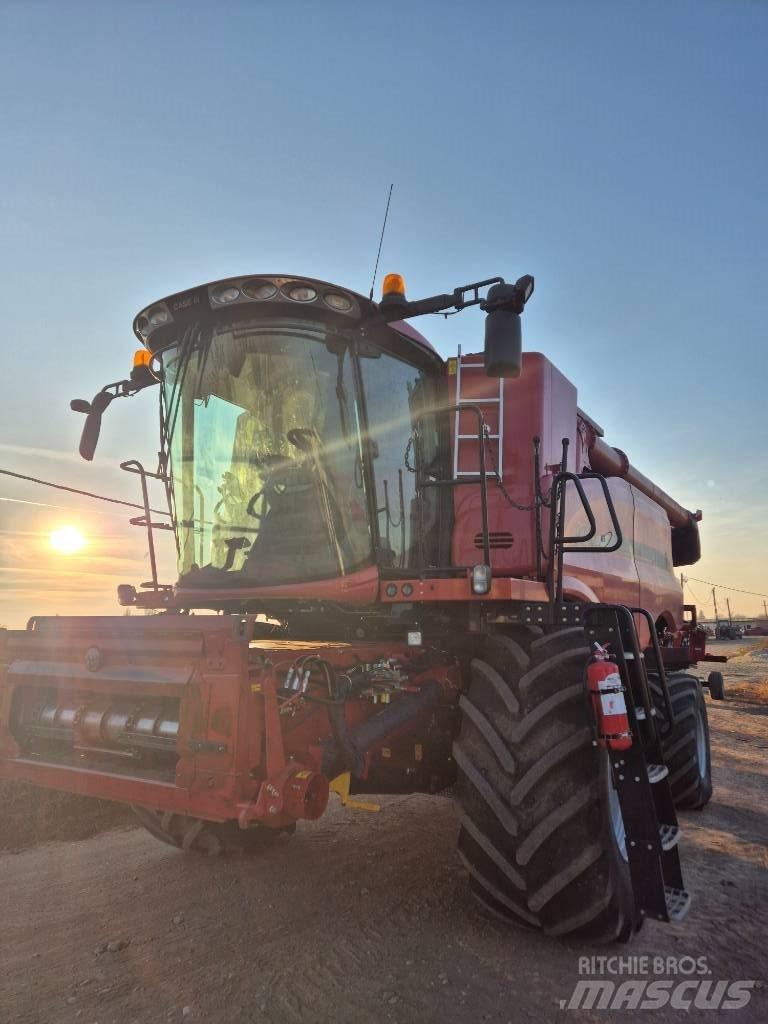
<point x="503" y="344"/>
<point x="92" y="427"/>
<point x="503" y="330"/>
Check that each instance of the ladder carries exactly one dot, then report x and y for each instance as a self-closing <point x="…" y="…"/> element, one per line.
<point x="640" y="777"/>
<point x="493" y="401"/>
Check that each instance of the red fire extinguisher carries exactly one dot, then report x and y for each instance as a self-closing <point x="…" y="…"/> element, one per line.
<point x="608" y="702"/>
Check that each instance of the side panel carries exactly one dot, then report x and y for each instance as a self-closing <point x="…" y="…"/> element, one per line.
<point x="612" y="576"/>
<point x="660" y="590"/>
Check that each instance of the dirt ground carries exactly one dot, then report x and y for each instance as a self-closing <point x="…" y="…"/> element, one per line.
<point x="359" y="917"/>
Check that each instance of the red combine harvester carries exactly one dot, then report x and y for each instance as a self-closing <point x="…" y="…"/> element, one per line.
<point x="423" y="574"/>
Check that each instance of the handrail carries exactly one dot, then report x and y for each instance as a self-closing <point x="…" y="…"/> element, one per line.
<point x="134" y="466"/>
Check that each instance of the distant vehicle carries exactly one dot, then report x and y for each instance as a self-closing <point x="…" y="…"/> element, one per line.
<point x="728" y="631"/>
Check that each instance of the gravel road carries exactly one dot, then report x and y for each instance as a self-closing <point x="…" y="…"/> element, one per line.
<point x="362" y="917"/>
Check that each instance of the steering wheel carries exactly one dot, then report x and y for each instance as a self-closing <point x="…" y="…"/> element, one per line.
<point x="272" y="490"/>
<point x="301" y="437"/>
<point x="251" y="506"/>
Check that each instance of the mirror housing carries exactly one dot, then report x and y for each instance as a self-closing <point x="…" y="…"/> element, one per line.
<point x="92" y="426"/>
<point x="503" y="329"/>
<point x="503" y="344"/>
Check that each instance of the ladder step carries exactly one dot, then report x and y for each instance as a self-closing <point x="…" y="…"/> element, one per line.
<point x="640" y="713"/>
<point x="669" y="836"/>
<point x="657" y="772"/>
<point x="478" y="401"/>
<point x="489" y="475"/>
<point x="678" y="902"/>
<point x="473" y="437"/>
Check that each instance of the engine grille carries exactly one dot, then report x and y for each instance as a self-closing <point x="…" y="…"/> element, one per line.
<point x="498" y="539"/>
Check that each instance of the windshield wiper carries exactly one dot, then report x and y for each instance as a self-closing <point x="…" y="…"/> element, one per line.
<point x="341" y="395"/>
<point x="192" y="340"/>
<point x="308" y="441"/>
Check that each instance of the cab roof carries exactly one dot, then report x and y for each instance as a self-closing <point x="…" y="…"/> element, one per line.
<point x="231" y="298"/>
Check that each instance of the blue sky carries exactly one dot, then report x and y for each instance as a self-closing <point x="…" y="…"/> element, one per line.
<point x="617" y="151"/>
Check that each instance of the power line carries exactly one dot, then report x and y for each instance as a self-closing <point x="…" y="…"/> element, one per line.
<point x="695" y="596"/>
<point x="87" y="494"/>
<point x="161" y="512"/>
<point x="60" y="508"/>
<point x="722" y="586"/>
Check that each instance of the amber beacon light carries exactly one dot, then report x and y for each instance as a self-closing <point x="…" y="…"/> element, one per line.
<point x="393" y="289"/>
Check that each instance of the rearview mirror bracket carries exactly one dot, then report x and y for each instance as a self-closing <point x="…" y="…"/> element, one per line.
<point x="95" y="409"/>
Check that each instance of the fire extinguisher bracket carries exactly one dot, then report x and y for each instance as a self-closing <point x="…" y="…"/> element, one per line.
<point x="609" y="703"/>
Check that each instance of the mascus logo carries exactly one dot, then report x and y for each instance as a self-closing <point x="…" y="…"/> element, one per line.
<point x="644" y="994"/>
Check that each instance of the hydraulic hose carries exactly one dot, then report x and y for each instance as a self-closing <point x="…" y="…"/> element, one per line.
<point x="342" y="741"/>
<point x="349" y="754"/>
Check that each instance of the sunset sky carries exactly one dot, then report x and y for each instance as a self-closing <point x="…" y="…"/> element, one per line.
<point x="619" y="152"/>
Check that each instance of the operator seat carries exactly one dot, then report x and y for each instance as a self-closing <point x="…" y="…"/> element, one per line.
<point x="293" y="541"/>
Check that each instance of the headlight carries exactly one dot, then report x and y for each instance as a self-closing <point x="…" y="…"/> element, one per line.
<point x="158" y="316"/>
<point x="338" y="302"/>
<point x="481" y="579"/>
<point x="259" y="289"/>
<point x="301" y="293"/>
<point x="226" y="294"/>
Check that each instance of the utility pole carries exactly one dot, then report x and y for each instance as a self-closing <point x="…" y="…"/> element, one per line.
<point x="730" y="617"/>
<point x="714" y="601"/>
<point x="765" y="610"/>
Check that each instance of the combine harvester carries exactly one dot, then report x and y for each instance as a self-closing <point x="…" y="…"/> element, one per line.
<point x="426" y="574"/>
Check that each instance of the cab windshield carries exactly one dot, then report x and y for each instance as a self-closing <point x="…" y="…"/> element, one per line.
<point x="266" y="455"/>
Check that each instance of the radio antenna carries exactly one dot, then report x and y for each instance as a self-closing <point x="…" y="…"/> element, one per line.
<point x="381" y="240"/>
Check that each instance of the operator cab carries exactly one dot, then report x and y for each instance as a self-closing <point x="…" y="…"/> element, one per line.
<point x="287" y="422"/>
<point x="304" y="436"/>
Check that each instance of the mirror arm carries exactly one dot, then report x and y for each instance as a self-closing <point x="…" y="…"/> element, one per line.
<point x="511" y="298"/>
<point x="118" y="389"/>
<point x="94" y="410"/>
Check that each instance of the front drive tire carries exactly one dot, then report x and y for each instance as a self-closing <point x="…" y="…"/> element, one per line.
<point x="541" y="832"/>
<point x="716" y="685"/>
<point x="686" y="747"/>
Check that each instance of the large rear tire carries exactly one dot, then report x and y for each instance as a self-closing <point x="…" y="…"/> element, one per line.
<point x="541" y="834"/>
<point x="207" y="837"/>
<point x="686" y="746"/>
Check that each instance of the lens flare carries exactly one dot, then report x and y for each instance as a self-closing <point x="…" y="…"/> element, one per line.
<point x="67" y="540"/>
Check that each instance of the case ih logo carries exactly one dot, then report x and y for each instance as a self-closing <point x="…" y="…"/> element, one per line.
<point x="184" y="303"/>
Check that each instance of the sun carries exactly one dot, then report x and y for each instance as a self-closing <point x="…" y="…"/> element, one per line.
<point x="67" y="540"/>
